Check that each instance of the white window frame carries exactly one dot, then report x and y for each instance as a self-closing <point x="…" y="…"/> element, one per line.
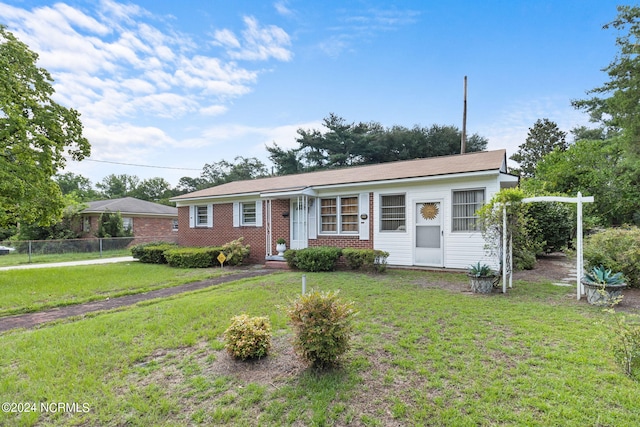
<point x="198" y="219"/>
<point x="239" y="218"/>
<point x="201" y="213"/>
<point x="338" y="216"/>
<point x="245" y="216"/>
<point x="174" y="225"/>
<point x="127" y="223"/>
<point x="467" y="218"/>
<point x="401" y="228"/>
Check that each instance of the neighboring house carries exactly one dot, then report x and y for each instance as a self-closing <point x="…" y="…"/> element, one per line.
<point x="147" y="220"/>
<point x="420" y="211"/>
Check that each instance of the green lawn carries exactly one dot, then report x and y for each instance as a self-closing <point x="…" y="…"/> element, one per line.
<point x="420" y="356"/>
<point x="37" y="289"/>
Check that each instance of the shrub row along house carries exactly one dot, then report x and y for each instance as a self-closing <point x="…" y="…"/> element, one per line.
<point x="423" y="212"/>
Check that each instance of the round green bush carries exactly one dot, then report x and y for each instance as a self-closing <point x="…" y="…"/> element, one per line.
<point x="616" y="249"/>
<point x="323" y="325"/>
<point x="248" y="337"/>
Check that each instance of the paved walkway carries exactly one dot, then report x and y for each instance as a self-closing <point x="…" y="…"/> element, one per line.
<point x="69" y="263"/>
<point x="31" y="320"/>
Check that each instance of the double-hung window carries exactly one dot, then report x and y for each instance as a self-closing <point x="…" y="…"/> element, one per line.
<point x="339" y="215"/>
<point x="465" y="205"/>
<point x="248" y="213"/>
<point x="127" y="223"/>
<point x="202" y="216"/>
<point x="392" y="212"/>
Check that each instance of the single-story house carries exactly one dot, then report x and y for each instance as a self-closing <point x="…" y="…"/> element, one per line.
<point x="147" y="220"/>
<point x="420" y="211"/>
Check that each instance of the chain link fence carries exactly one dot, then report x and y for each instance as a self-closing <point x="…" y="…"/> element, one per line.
<point x="94" y="246"/>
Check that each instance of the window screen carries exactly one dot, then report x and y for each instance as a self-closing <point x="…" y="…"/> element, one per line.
<point x="465" y="205"/>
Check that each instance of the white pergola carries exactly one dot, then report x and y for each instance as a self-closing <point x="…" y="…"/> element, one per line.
<point x="579" y="200"/>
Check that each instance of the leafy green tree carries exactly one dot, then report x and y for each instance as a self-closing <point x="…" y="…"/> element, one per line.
<point x="596" y="168"/>
<point x="110" y="224"/>
<point x="286" y="161"/>
<point x="35" y="135"/>
<point x="80" y="186"/>
<point x="68" y="227"/>
<point x="345" y="144"/>
<point x="188" y="184"/>
<point x="153" y="190"/>
<point x="222" y="172"/>
<point x="593" y="134"/>
<point x="117" y="186"/>
<point x="616" y="104"/>
<point x="543" y="138"/>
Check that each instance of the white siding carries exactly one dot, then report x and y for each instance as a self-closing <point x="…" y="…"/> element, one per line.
<point x="461" y="249"/>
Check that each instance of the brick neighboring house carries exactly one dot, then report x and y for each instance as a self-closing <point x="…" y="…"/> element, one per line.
<point x="147" y="220"/>
<point x="421" y="211"/>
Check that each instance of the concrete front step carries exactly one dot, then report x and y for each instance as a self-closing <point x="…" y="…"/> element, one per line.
<point x="276" y="265"/>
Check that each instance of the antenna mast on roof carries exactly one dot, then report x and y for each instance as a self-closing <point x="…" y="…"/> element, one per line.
<point x="463" y="142"/>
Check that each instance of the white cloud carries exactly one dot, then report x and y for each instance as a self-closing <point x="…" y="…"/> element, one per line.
<point x="282" y="9"/>
<point x="258" y="43"/>
<point x="120" y="66"/>
<point x="363" y="26"/>
<point x="213" y="110"/>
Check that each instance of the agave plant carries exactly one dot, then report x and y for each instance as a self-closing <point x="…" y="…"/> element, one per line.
<point x="480" y="270"/>
<point x="601" y="276"/>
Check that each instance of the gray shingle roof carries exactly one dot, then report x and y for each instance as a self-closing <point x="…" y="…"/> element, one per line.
<point x="433" y="166"/>
<point x="131" y="206"/>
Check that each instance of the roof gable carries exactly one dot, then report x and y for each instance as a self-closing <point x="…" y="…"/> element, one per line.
<point x="429" y="167"/>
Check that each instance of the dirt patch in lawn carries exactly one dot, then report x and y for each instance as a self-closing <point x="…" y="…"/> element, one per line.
<point x="558" y="267"/>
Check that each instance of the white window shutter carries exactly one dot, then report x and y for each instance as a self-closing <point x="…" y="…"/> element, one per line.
<point x="192" y="216"/>
<point x="209" y="215"/>
<point x="236" y="214"/>
<point x="313" y="224"/>
<point x="364" y="223"/>
<point x="259" y="213"/>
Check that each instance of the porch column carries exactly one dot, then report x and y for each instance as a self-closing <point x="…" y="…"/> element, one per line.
<point x="267" y="227"/>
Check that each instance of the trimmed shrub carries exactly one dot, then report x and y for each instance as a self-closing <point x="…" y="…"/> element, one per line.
<point x="152" y="253"/>
<point x="248" y="337"/>
<point x="616" y="249"/>
<point x="192" y="257"/>
<point x="366" y="259"/>
<point x="323" y="325"/>
<point x="290" y="257"/>
<point x="322" y="258"/>
<point x="235" y="251"/>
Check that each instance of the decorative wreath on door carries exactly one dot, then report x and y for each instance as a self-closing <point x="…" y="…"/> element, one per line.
<point x="429" y="210"/>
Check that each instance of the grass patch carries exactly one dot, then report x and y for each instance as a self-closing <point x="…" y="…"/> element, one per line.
<point x="31" y="290"/>
<point x="20" y="259"/>
<point x="420" y="356"/>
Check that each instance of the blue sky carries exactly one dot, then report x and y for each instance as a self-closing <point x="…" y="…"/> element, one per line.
<point x="180" y="84"/>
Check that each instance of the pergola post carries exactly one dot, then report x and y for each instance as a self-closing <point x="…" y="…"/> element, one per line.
<point x="579" y="200"/>
<point x="504" y="248"/>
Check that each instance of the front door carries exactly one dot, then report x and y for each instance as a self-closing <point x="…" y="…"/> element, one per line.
<point x="299" y="222"/>
<point x="428" y="236"/>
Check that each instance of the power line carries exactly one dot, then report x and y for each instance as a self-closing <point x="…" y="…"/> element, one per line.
<point x="141" y="166"/>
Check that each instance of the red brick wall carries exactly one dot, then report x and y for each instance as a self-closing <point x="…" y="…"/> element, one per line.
<point x="280" y="225"/>
<point x="223" y="230"/>
<point x="144" y="228"/>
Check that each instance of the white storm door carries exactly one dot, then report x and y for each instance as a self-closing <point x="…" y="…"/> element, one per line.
<point x="299" y="218"/>
<point x="428" y="250"/>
